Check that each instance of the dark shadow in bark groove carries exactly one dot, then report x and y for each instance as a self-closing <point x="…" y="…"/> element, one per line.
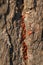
<point x="17" y="18"/>
<point x="11" y="54"/>
<point x="0" y="16"/>
<point x="18" y="14"/>
<point x="8" y="9"/>
<point x="42" y="36"/>
<point x="10" y="49"/>
<point x="35" y="4"/>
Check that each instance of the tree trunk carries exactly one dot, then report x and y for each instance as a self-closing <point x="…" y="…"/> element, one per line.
<point x="21" y="32"/>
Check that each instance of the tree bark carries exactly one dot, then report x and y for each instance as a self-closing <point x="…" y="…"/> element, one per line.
<point x="15" y="17"/>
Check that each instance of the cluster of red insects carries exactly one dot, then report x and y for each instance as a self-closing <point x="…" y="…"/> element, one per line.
<point x="23" y="37"/>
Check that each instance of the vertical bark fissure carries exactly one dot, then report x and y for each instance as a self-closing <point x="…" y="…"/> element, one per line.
<point x="10" y="49"/>
<point x="17" y="18"/>
<point x="18" y="14"/>
<point x="42" y="36"/>
<point x="35" y="4"/>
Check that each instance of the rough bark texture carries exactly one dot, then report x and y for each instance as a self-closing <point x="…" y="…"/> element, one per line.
<point x="11" y="43"/>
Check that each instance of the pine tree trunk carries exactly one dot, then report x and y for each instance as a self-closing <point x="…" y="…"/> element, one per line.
<point x="14" y="14"/>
